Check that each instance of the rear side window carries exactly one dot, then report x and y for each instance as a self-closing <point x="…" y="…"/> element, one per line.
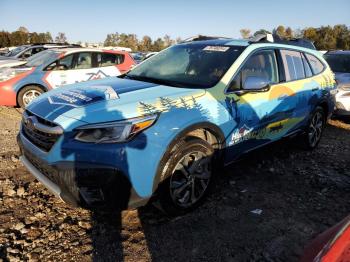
<point x="108" y="59"/>
<point x="293" y="65"/>
<point x="316" y="65"/>
<point x="307" y="67"/>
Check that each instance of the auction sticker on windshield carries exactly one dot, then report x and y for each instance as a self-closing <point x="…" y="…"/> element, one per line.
<point x="216" y="48"/>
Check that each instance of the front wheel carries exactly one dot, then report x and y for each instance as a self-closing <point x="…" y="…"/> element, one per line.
<point x="28" y="94"/>
<point x="189" y="175"/>
<point x="314" y="130"/>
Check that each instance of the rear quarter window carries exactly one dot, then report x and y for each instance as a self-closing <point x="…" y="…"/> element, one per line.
<point x="316" y="65"/>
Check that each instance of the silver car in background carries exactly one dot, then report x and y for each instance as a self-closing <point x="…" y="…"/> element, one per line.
<point x="339" y="62"/>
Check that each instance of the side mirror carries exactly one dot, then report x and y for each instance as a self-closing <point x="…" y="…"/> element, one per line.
<point x="256" y="83"/>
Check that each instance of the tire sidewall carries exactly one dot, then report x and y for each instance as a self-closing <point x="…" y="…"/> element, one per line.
<point x="307" y="140"/>
<point x="183" y="148"/>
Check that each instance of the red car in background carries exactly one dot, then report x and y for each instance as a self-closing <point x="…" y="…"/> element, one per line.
<point x="57" y="67"/>
<point x="332" y="245"/>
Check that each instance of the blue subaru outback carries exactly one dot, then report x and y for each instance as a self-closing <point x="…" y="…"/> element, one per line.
<point x="162" y="129"/>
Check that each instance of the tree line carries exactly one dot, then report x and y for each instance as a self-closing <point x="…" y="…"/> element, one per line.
<point x="22" y="36"/>
<point x="144" y="44"/>
<point x="324" y="38"/>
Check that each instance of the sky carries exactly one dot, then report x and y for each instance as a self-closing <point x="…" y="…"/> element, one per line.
<point x="91" y="20"/>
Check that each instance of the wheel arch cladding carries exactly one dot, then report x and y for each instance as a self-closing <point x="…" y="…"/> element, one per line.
<point x="204" y="130"/>
<point x="324" y="105"/>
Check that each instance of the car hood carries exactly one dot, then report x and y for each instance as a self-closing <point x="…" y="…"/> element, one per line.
<point x="2" y="58"/>
<point x="11" y="62"/>
<point x="9" y="72"/>
<point x="109" y="99"/>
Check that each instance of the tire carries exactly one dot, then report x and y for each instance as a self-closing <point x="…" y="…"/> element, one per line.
<point x="187" y="180"/>
<point x="313" y="132"/>
<point x="28" y="94"/>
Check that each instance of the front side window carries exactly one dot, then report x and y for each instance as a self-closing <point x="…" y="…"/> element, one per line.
<point x="188" y="65"/>
<point x="109" y="59"/>
<point x="316" y="64"/>
<point x="37" y="50"/>
<point x="26" y="54"/>
<point x="84" y="61"/>
<point x="261" y="64"/>
<point x="293" y="65"/>
<point x="64" y="63"/>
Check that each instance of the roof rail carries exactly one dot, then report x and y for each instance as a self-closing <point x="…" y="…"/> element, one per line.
<point x="48" y="43"/>
<point x="274" y="38"/>
<point x="261" y="38"/>
<point x="203" y="37"/>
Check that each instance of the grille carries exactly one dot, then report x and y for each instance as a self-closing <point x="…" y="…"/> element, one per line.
<point x="41" y="139"/>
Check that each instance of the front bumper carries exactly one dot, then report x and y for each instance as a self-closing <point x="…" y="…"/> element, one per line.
<point x="52" y="187"/>
<point x="80" y="184"/>
<point x="343" y="102"/>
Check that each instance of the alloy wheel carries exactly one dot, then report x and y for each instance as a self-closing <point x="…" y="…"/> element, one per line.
<point x="190" y="179"/>
<point x="315" y="129"/>
<point x="29" y="96"/>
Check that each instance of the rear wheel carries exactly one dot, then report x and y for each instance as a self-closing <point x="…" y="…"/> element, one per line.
<point x="28" y="94"/>
<point x="189" y="175"/>
<point x="314" y="130"/>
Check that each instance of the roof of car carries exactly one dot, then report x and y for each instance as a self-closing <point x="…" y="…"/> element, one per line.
<point x="85" y="49"/>
<point x="258" y="39"/>
<point x="220" y="41"/>
<point x="338" y="52"/>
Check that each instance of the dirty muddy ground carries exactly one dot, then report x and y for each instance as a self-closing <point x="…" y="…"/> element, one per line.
<point x="298" y="193"/>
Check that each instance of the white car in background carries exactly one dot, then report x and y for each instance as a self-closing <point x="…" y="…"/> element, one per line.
<point x="21" y="54"/>
<point x="339" y="61"/>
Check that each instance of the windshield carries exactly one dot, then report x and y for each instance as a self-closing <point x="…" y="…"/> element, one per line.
<point x="15" y="51"/>
<point x="339" y="63"/>
<point x="188" y="65"/>
<point x="42" y="57"/>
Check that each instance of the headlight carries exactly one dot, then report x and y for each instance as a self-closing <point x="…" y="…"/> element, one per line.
<point x="114" y="132"/>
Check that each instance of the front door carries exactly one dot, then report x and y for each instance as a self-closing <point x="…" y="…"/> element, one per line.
<point x="259" y="117"/>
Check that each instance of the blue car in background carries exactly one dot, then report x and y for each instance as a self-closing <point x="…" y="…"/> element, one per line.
<point x="162" y="129"/>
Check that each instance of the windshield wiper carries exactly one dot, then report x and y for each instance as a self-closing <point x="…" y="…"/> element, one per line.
<point x="152" y="80"/>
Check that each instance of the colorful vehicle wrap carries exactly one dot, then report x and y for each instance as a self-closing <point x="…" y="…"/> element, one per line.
<point x="240" y="121"/>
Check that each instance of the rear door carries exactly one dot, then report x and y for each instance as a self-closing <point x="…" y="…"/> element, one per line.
<point x="111" y="64"/>
<point x="298" y="79"/>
